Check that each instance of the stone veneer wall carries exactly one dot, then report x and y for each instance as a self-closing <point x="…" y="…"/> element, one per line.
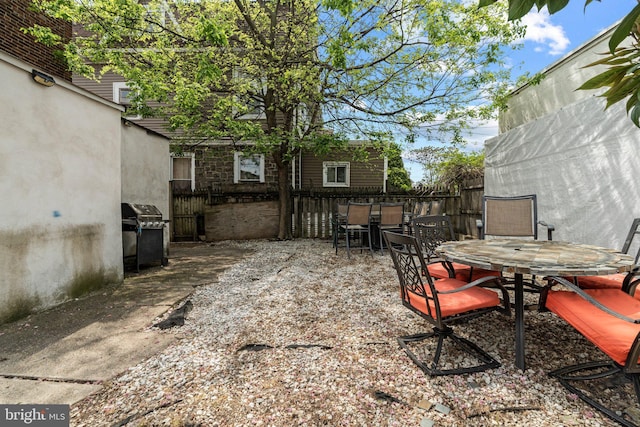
<point x="214" y="168"/>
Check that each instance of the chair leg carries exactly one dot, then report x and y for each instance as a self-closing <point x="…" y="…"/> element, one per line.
<point x="334" y="228"/>
<point x="592" y="371"/>
<point x="431" y="368"/>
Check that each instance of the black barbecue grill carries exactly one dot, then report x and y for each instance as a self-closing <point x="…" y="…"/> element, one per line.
<point x="142" y="233"/>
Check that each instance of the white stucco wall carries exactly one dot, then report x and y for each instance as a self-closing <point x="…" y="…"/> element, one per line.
<point x="145" y="170"/>
<point x="558" y="87"/>
<point x="581" y="161"/>
<point x="60" y="181"/>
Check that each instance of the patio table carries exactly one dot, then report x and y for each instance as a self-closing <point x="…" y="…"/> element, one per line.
<point x="536" y="257"/>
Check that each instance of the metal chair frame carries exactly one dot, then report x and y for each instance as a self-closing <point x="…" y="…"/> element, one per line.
<point x="433" y="230"/>
<point x="411" y="268"/>
<point x="339" y="218"/>
<point x="629" y="279"/>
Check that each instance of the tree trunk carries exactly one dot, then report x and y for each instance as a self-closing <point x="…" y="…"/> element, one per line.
<point x="284" y="196"/>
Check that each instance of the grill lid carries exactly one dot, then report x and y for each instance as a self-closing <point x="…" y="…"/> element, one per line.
<point x="141" y="212"/>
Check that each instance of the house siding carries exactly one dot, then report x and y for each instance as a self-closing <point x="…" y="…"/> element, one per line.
<point x="362" y="174"/>
<point x="17" y="14"/>
<point x="104" y="89"/>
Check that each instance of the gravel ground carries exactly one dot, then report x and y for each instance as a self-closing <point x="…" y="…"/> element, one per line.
<point x="296" y="335"/>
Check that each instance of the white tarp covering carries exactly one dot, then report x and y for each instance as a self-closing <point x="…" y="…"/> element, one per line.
<point x="582" y="162"/>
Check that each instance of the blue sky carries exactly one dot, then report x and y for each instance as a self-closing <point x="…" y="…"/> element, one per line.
<point x="548" y="39"/>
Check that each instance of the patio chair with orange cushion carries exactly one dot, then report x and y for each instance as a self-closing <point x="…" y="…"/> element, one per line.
<point x="614" y="281"/>
<point x="433" y="230"/>
<point x="610" y="319"/>
<point x="441" y="303"/>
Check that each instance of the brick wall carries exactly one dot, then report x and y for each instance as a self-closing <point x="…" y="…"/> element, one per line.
<point x="16" y="14"/>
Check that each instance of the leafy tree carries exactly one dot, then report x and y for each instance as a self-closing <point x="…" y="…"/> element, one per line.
<point x="397" y="175"/>
<point x="621" y="77"/>
<point x="458" y="166"/>
<point x="320" y="72"/>
<point x="429" y="157"/>
<point x="449" y="165"/>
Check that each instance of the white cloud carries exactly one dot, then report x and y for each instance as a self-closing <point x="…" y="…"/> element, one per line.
<point x="480" y="133"/>
<point x="541" y="30"/>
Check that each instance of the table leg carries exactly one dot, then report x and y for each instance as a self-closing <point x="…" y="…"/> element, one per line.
<point x="519" y="308"/>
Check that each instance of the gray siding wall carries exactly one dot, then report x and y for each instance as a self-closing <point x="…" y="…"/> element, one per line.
<point x="362" y="174"/>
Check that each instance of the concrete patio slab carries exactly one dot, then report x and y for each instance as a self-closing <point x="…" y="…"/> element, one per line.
<point x="61" y="355"/>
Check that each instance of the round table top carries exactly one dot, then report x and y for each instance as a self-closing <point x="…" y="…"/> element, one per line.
<point x="539" y="257"/>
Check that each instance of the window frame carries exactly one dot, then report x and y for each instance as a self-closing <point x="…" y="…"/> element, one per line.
<point x="237" y="157"/>
<point x="117" y="87"/>
<point x="192" y="179"/>
<point x="336" y="164"/>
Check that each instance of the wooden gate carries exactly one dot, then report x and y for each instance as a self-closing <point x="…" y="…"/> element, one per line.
<point x="187" y="215"/>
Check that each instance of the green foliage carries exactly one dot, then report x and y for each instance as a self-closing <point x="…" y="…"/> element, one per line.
<point x="458" y="166"/>
<point x="626" y="26"/>
<point x="621" y="78"/>
<point x="448" y="165"/>
<point x="397" y="175"/>
<point x="313" y="73"/>
<point x="429" y="157"/>
<point x="519" y="8"/>
<point x="44" y="35"/>
<point x="345" y="7"/>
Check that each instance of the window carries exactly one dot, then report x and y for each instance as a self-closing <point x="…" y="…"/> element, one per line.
<point x="122" y="94"/>
<point x="335" y="174"/>
<point x="248" y="168"/>
<point x="183" y="171"/>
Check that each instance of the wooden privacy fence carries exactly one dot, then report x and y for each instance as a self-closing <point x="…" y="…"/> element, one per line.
<point x="313" y="214"/>
<point x="313" y="210"/>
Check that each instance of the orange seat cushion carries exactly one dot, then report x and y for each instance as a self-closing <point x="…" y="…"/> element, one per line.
<point x="611" y="335"/>
<point x="456" y="303"/>
<point x="610" y="281"/>
<point x="438" y="271"/>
